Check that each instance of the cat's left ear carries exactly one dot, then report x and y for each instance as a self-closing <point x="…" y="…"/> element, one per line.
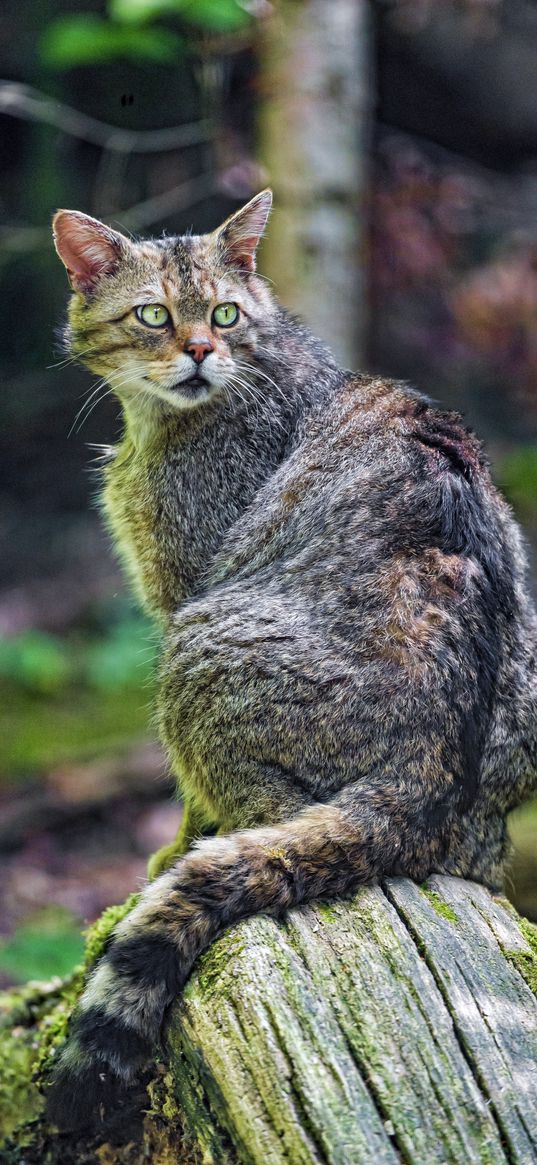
<point x="239" y="236"/>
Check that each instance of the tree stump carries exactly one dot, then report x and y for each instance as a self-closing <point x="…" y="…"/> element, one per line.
<point x="397" y="1027"/>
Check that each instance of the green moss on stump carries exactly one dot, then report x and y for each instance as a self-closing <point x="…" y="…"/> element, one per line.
<point x="526" y="961"/>
<point x="439" y="905"/>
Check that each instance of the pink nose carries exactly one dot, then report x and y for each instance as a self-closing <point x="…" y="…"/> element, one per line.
<point x="198" y="349"/>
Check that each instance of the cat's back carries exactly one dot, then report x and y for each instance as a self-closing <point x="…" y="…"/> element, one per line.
<point x="385" y="423"/>
<point x="378" y="471"/>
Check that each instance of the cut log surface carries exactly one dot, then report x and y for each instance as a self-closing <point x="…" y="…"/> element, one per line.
<point x="391" y="1028"/>
<point x="397" y="1027"/>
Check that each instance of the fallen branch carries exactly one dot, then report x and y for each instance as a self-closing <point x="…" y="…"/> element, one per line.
<point x="23" y="101"/>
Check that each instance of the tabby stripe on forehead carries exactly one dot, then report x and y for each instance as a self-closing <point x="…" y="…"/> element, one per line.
<point x="182" y="258"/>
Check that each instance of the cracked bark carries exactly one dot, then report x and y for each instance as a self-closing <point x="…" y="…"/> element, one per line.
<point x="396" y="1027"/>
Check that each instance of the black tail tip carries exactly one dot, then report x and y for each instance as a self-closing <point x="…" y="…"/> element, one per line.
<point x="88" y="1099"/>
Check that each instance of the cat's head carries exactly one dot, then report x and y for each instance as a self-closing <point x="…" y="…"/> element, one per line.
<point x="172" y="319"/>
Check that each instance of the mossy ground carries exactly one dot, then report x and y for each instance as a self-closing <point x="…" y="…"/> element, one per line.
<point x="33" y="1020"/>
<point x="33" y="1026"/>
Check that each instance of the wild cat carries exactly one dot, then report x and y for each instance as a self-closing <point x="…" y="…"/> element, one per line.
<point x="348" y="684"/>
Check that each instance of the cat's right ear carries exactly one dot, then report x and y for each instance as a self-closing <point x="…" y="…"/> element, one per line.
<point x="87" y="248"/>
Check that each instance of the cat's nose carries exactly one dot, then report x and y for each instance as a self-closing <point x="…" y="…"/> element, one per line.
<point x="198" y="349"/>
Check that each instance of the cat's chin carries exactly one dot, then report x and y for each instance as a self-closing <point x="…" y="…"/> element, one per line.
<point x="192" y="388"/>
<point x="187" y="394"/>
<point x="190" y="393"/>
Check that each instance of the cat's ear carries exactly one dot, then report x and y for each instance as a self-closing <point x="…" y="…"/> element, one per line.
<point x="239" y="236"/>
<point x="87" y="248"/>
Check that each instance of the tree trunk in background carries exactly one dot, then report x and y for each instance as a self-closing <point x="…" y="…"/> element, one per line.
<point x="314" y="141"/>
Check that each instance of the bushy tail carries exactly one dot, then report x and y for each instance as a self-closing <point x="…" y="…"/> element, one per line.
<point x="325" y="851"/>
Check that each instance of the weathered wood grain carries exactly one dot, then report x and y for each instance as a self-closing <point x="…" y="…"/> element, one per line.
<point x="493" y="1009"/>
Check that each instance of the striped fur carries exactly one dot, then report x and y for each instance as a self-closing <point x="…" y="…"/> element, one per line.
<point x="348" y="680"/>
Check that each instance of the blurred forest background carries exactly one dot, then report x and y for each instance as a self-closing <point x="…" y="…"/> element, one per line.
<point x="400" y="137"/>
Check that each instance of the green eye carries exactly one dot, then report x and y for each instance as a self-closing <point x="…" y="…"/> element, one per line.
<point x="225" y="314"/>
<point x="154" y="315"/>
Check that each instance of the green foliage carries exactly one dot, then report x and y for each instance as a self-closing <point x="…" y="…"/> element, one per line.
<point x="68" y="698"/>
<point x="85" y="39"/>
<point x="517" y="476"/>
<point x="212" y="15"/>
<point x="49" y="664"/>
<point x="140" y="11"/>
<point x="123" y="658"/>
<point x="38" y="733"/>
<point x="36" y="661"/>
<point x="48" y="944"/>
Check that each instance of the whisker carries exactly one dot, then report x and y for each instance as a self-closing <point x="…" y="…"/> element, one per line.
<point x="94" y="406"/>
<point x="92" y="391"/>
<point x="276" y="357"/>
<point x="234" y="381"/>
<point x="104" y="452"/>
<point x="255" y="370"/>
<point x="109" y="392"/>
<point x="258" y="372"/>
<point x="73" y="357"/>
<point x="85" y="411"/>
